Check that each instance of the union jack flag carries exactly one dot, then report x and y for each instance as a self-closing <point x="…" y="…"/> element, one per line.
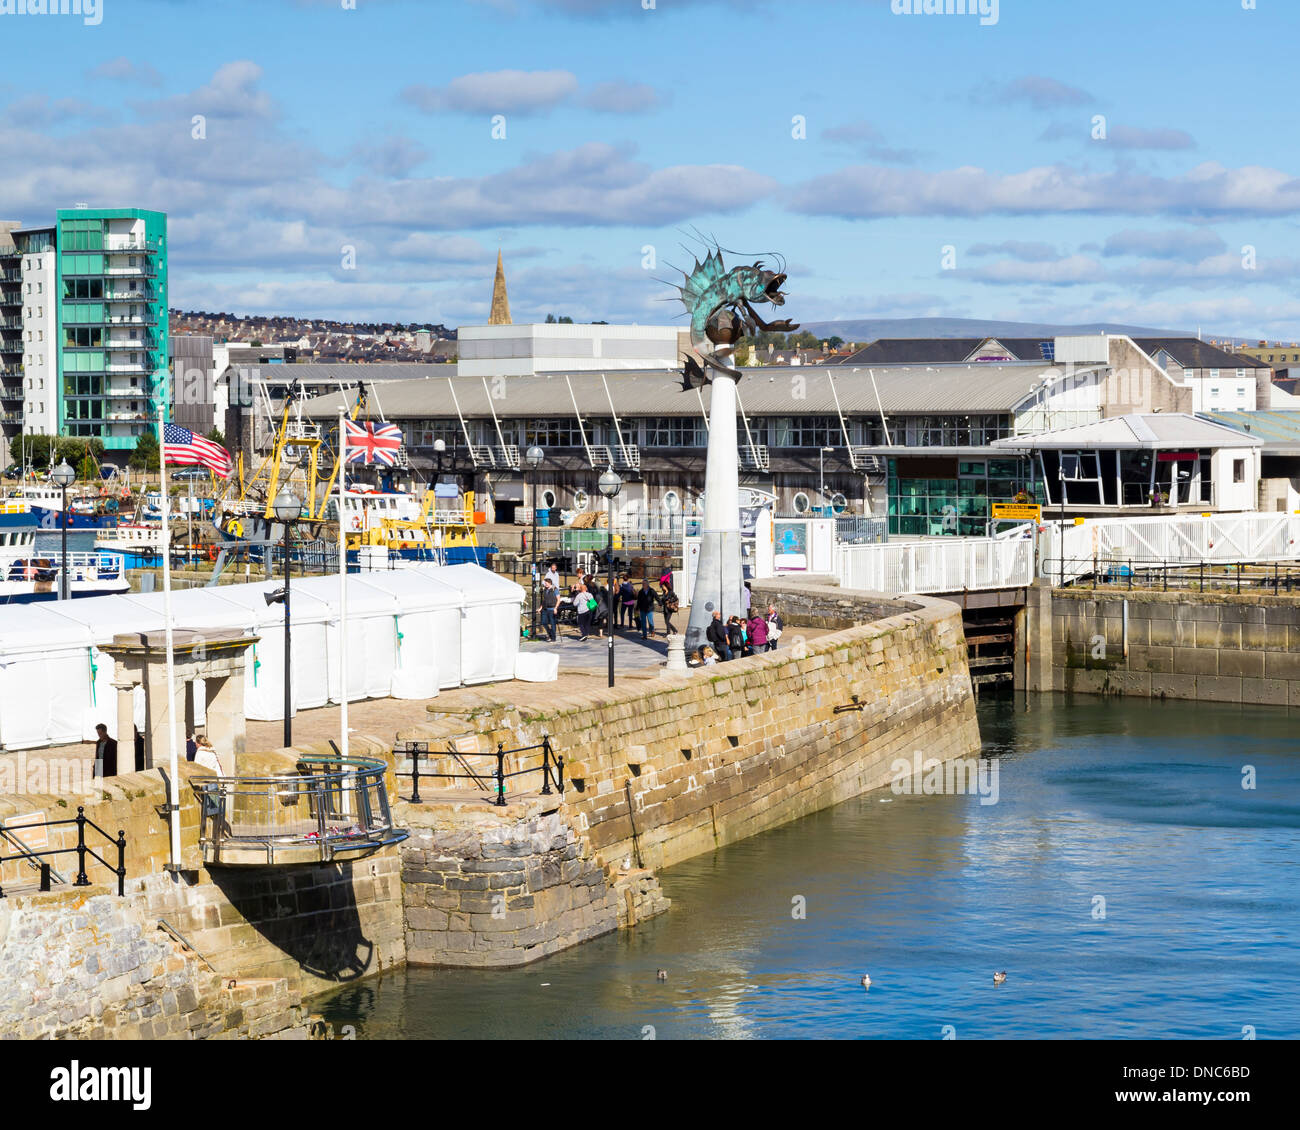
<point x="180" y="445"/>
<point x="372" y="443"/>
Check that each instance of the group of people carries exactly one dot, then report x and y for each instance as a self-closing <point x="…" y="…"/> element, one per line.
<point x="197" y="749"/>
<point x="737" y="636"/>
<point x="592" y="603"/>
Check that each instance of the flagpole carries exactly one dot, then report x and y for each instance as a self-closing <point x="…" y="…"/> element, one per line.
<point x="343" y="586"/>
<point x="173" y="798"/>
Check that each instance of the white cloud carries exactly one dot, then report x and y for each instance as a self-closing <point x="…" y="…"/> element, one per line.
<point x="495" y="92"/>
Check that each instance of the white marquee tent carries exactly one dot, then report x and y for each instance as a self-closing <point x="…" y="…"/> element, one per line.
<point x="411" y="632"/>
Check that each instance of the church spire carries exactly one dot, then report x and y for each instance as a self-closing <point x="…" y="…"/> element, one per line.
<point x="500" y="315"/>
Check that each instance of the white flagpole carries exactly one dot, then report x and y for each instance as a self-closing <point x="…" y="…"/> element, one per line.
<point x="174" y="796"/>
<point x="343" y="586"/>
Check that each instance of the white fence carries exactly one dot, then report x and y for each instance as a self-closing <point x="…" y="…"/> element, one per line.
<point x="1174" y="538"/>
<point x="942" y="565"/>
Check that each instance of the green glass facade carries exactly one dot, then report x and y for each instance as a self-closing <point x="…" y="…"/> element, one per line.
<point x="959" y="505"/>
<point x="112" y="322"/>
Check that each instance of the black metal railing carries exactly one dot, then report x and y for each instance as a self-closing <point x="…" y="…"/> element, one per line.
<point x="36" y="859"/>
<point x="492" y="782"/>
<point x="1150" y="574"/>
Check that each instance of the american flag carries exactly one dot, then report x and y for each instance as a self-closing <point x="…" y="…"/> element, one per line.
<point x="373" y="443"/>
<point x="180" y="445"/>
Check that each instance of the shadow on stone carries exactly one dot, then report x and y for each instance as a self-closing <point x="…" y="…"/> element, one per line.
<point x="308" y="913"/>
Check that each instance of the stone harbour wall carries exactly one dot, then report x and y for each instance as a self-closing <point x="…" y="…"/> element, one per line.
<point x="661" y="772"/>
<point x="85" y="964"/>
<point x="1214" y="647"/>
<point x="508" y="886"/>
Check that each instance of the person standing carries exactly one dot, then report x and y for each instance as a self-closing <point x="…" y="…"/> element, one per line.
<point x="736" y="637"/>
<point x="626" y="601"/>
<point x="552" y="575"/>
<point x="747" y="596"/>
<point x="550" y="598"/>
<point x="586" y="605"/>
<point x="757" y="633"/>
<point x="668" y="602"/>
<point x="105" y="753"/>
<point x="716" y="634"/>
<point x="775" y="626"/>
<point x="645" y="610"/>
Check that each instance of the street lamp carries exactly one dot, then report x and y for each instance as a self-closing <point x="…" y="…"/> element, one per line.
<point x="439" y="449"/>
<point x="821" y="467"/>
<point x="609" y="485"/>
<point x="286" y="508"/>
<point x="533" y="457"/>
<point x="63" y="477"/>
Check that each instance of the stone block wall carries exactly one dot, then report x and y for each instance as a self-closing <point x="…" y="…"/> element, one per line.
<point x="1214" y="647"/>
<point x="501" y="887"/>
<point x="826" y="605"/>
<point x="85" y="964"/>
<point x="663" y="772"/>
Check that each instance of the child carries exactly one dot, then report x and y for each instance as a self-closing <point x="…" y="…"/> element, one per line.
<point x="708" y="658"/>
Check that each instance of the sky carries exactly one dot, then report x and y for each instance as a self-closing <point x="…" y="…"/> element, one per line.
<point x="1114" y="160"/>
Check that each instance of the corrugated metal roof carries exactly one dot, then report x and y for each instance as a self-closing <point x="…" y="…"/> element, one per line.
<point x="799" y="390"/>
<point x="1149" y="430"/>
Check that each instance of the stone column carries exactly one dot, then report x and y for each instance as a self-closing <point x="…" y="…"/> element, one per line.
<point x="156" y="749"/>
<point x="1034" y="647"/>
<point x="225" y="725"/>
<point x="125" y="724"/>
<point x="718" y="579"/>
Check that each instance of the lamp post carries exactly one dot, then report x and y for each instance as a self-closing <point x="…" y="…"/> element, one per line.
<point x="286" y="508"/>
<point x="821" y="468"/>
<point x="63" y="477"/>
<point x="1060" y="541"/>
<point x="610" y="484"/>
<point x="533" y="457"/>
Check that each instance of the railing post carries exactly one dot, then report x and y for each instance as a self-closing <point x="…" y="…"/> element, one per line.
<point x="1238" y="578"/>
<point x="1166" y="570"/>
<point x="81" y="880"/>
<point x="415" y="775"/>
<point x="546" y="766"/>
<point x="559" y="765"/>
<point x="45" y="876"/>
<point x="501" y="776"/>
<point x="121" y="863"/>
<point x="1275" y="578"/>
<point x="1202" y="574"/>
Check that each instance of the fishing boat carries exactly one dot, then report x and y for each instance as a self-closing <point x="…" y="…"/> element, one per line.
<point x="139" y="545"/>
<point x="28" y="575"/>
<point x="45" y="507"/>
<point x="15" y="513"/>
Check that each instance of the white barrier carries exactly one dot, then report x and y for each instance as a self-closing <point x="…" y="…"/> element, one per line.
<point x="939" y="566"/>
<point x="1172" y="538"/>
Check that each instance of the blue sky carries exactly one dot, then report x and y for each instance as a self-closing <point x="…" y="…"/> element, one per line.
<point x="327" y="127"/>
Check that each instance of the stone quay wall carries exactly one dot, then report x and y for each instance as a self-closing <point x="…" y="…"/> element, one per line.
<point x="660" y="772"/>
<point x="1214" y="647"/>
<point x="84" y="964"/>
<point x="292" y="931"/>
<point x="487" y="886"/>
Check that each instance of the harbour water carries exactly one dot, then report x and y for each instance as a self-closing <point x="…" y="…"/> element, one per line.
<point x="1125" y="880"/>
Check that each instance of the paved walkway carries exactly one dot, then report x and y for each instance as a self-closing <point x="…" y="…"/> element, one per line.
<point x="583" y="666"/>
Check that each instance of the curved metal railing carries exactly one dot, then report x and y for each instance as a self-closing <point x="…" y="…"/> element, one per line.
<point x="326" y="809"/>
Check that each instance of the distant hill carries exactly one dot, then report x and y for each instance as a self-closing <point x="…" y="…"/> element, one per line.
<point x="863" y="330"/>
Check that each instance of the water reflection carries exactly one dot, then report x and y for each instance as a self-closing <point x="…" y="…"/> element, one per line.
<point x="1127" y="882"/>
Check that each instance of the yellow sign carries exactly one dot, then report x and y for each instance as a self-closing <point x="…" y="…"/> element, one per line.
<point x="1078" y="521"/>
<point x="1016" y="511"/>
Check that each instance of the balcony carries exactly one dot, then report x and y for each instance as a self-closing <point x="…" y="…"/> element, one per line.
<point x="134" y="247"/>
<point x="754" y="457"/>
<point x="128" y="367"/>
<point x="11" y="297"/>
<point x="11" y="252"/>
<point x="145" y="296"/>
<point x="330" y="809"/>
<point x="149" y="319"/>
<point x="11" y="345"/>
<point x="147" y="345"/>
<point x="484" y="455"/>
<point x="11" y="276"/>
<point x="139" y="271"/>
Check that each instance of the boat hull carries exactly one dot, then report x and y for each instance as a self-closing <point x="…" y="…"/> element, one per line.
<point x="46" y="519"/>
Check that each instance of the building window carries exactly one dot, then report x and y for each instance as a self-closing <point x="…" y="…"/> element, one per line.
<point x="1241" y="392"/>
<point x="1214" y="390"/>
<point x="1241" y="374"/>
<point x="1238" y="470"/>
